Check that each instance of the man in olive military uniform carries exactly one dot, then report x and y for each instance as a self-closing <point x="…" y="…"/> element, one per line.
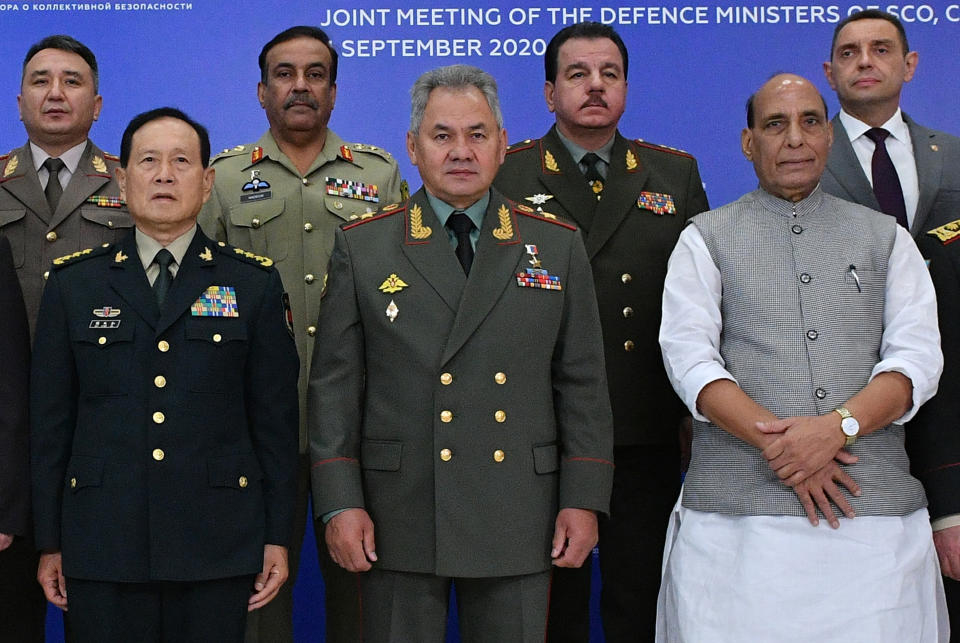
<point x="163" y="414"/>
<point x="631" y="200"/>
<point x="283" y="197"/>
<point x="459" y="421"/>
<point x="57" y="192"/>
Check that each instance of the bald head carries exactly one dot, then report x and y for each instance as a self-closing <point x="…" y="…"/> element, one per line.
<point x="788" y="136"/>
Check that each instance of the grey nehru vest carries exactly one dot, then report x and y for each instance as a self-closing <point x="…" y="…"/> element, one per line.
<point x="803" y="299"/>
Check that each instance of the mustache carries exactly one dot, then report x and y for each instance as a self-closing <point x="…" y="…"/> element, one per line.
<point x="594" y="101"/>
<point x="302" y="98"/>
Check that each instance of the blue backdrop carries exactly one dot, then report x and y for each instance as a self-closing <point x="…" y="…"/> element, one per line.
<point x="691" y="68"/>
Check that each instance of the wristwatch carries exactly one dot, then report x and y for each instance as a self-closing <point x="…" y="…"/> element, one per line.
<point x="849" y="426"/>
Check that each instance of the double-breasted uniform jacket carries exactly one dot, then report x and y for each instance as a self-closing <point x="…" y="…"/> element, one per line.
<point x="260" y="201"/>
<point x="929" y="442"/>
<point x="937" y="156"/>
<point x="89" y="213"/>
<point x="649" y="193"/>
<point x="163" y="443"/>
<point x="14" y="427"/>
<point x="460" y="412"/>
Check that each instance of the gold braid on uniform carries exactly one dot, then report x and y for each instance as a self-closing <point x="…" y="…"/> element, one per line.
<point x="417" y="229"/>
<point x="505" y="231"/>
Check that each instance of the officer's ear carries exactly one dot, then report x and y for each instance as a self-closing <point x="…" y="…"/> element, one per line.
<point x="209" y="174"/>
<point x="121" y="175"/>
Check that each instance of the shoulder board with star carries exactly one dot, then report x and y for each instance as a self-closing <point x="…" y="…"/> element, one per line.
<point x="80" y="255"/>
<point x="391" y="209"/>
<point x="244" y="255"/>
<point x="947" y="233"/>
<point x="522" y="145"/>
<point x="527" y="211"/>
<point x="663" y="148"/>
<point x="370" y="149"/>
<point x="229" y="152"/>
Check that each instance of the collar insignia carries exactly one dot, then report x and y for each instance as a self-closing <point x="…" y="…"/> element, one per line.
<point x="11" y="166"/>
<point x="392" y="284"/>
<point x="99" y="165"/>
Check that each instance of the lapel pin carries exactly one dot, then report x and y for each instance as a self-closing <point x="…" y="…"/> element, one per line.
<point x="392" y="284"/>
<point x="392" y="311"/>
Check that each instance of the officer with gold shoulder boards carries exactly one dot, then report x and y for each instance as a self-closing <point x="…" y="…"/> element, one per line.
<point x="283" y="197"/>
<point x="57" y="192"/>
<point x="631" y="200"/>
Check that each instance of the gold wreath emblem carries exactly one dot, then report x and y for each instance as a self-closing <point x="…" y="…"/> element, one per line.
<point x="417" y="229"/>
<point x="505" y="231"/>
<point x="11" y="166"/>
<point x="99" y="165"/>
<point x="550" y="162"/>
<point x="631" y="160"/>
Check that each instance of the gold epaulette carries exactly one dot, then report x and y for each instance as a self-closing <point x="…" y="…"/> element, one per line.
<point x="522" y="145"/>
<point x="947" y="233"/>
<point x="74" y="257"/>
<point x="663" y="148"/>
<point x="244" y="255"/>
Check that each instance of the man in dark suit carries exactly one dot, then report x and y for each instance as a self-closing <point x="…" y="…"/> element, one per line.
<point x="164" y="416"/>
<point x="631" y="200"/>
<point x="57" y="193"/>
<point x="22" y="608"/>
<point x="913" y="173"/>
<point x="458" y="409"/>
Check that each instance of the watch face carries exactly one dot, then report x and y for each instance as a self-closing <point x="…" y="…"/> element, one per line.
<point x="850" y="426"/>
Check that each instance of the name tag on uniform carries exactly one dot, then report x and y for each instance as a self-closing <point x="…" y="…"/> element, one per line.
<point x="216" y="301"/>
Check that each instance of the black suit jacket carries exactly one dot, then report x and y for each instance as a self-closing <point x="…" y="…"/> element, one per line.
<point x="14" y="401"/>
<point x="628" y="245"/>
<point x="164" y="444"/>
<point x="937" y="156"/>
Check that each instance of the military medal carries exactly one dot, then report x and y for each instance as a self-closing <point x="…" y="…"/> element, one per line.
<point x="216" y="301"/>
<point x="392" y="311"/>
<point x="657" y="203"/>
<point x="537" y="277"/>
<point x="392" y="284"/>
<point x="104" y="201"/>
<point x="352" y="190"/>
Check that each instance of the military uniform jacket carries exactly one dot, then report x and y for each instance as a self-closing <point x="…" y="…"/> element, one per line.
<point x="937" y="156"/>
<point x="461" y="413"/>
<point x="262" y="203"/>
<point x="163" y="444"/>
<point x="89" y="213"/>
<point x="933" y="441"/>
<point x="649" y="193"/>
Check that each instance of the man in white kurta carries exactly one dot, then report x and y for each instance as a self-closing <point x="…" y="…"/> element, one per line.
<point x="801" y="332"/>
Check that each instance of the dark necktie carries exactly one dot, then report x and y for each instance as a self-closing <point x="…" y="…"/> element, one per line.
<point x="592" y="173"/>
<point x="461" y="225"/>
<point x="886" y="182"/>
<point x="54" y="190"/>
<point x="164" y="278"/>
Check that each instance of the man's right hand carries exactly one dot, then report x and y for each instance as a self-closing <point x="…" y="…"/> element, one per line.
<point x="821" y="488"/>
<point x="50" y="577"/>
<point x="349" y="537"/>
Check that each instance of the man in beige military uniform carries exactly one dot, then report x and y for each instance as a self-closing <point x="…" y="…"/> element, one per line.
<point x="284" y="197"/>
<point x="57" y="192"/>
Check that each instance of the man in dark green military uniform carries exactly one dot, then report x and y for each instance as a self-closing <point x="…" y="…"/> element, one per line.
<point x="283" y="197"/>
<point x="459" y="419"/>
<point x="57" y="192"/>
<point x="630" y="199"/>
<point x="163" y="415"/>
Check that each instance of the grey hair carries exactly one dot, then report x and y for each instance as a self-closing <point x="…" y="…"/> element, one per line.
<point x="453" y="77"/>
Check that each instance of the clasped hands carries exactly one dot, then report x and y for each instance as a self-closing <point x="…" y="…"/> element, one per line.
<point x="806" y="453"/>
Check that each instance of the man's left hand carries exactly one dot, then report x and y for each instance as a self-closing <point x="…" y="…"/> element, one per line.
<point x="805" y="445"/>
<point x="271" y="577"/>
<point x="947" y="542"/>
<point x="574" y="537"/>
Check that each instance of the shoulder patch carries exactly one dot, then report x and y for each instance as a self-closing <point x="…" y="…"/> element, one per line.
<point x="244" y="255"/>
<point x="370" y="149"/>
<point x="663" y="148"/>
<point x="522" y="145"/>
<point x="947" y="233"/>
<point x="391" y="209"/>
<point x="543" y="216"/>
<point x="79" y="255"/>
<point x="228" y="152"/>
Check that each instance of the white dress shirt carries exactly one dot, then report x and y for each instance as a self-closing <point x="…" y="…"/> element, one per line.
<point x="899" y="147"/>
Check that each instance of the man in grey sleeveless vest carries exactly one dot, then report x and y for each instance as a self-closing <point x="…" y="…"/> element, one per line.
<point x="801" y="332"/>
